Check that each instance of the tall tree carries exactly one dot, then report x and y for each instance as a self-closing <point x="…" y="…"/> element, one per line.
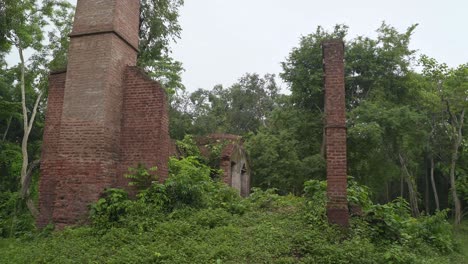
<point x="455" y="97"/>
<point x="376" y="81"/>
<point x="451" y="86"/>
<point x="159" y="26"/>
<point x="286" y="151"/>
<point x="238" y="109"/>
<point x="22" y="29"/>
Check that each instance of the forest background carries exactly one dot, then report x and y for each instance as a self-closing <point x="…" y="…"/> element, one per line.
<point x="406" y="116"/>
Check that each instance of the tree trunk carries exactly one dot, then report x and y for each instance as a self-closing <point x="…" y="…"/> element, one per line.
<point x="457" y="125"/>
<point x="426" y="190"/>
<point x="24" y="143"/>
<point x="412" y="193"/>
<point x="29" y="202"/>
<point x="27" y="126"/>
<point x="387" y="196"/>
<point x="402" y="185"/>
<point x="323" y="149"/>
<point x="434" y="189"/>
<point x="453" y="189"/>
<point x="412" y="196"/>
<point x="7" y="128"/>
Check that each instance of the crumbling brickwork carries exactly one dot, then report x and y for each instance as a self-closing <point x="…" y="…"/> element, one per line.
<point x="335" y="130"/>
<point x="50" y="162"/>
<point x="98" y="112"/>
<point x="145" y="125"/>
<point x="233" y="160"/>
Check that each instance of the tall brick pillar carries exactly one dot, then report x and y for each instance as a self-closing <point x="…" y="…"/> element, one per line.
<point x="86" y="151"/>
<point x="335" y="130"/>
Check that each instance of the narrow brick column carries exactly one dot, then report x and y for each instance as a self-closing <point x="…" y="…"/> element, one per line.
<point x="50" y="163"/>
<point x="104" y="41"/>
<point x="333" y="59"/>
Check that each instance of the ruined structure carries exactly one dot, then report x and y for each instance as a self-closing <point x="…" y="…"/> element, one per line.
<point x="104" y="114"/>
<point x="335" y="131"/>
<point x="233" y="160"/>
<point x="230" y="157"/>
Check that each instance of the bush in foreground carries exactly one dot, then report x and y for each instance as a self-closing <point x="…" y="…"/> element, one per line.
<point x="193" y="219"/>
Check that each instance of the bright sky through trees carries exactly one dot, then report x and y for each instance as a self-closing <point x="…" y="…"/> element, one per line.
<point x="222" y="40"/>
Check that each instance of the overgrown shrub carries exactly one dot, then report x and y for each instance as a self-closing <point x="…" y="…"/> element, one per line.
<point x="141" y="177"/>
<point x="264" y="199"/>
<point x="392" y="222"/>
<point x="188" y="147"/>
<point x="315" y="201"/>
<point x="15" y="219"/>
<point x="189" y="183"/>
<point x="189" y="187"/>
<point x="110" y="210"/>
<point x="192" y="218"/>
<point x="383" y="224"/>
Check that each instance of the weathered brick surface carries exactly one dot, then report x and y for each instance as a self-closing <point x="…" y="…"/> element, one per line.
<point x="333" y="59"/>
<point x="49" y="159"/>
<point x="122" y="17"/>
<point x="145" y="125"/>
<point x="90" y="126"/>
<point x="103" y="114"/>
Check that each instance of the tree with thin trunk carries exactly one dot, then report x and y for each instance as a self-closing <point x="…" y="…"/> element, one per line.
<point x="455" y="129"/>
<point x="454" y="96"/>
<point x="433" y="184"/>
<point x="452" y="90"/>
<point x="23" y="24"/>
<point x="28" y="122"/>
<point x="411" y="183"/>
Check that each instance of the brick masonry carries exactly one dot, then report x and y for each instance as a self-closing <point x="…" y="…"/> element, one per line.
<point x="50" y="163"/>
<point x="335" y="130"/>
<point x="103" y="114"/>
<point x="145" y="125"/>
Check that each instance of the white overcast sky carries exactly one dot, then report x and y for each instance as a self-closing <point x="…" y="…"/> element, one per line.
<point x="223" y="39"/>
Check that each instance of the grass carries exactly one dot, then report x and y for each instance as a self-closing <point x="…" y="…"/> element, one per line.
<point x="275" y="231"/>
<point x="192" y="219"/>
<point x="461" y="235"/>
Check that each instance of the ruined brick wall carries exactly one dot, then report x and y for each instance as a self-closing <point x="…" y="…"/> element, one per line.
<point x="145" y="125"/>
<point x="90" y="125"/>
<point x="50" y="163"/>
<point x="230" y="142"/>
<point x="82" y="156"/>
<point x="233" y="160"/>
<point x="335" y="129"/>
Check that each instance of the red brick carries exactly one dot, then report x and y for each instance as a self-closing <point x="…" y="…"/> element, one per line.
<point x="145" y="125"/>
<point x="49" y="159"/>
<point x="103" y="114"/>
<point x="335" y="133"/>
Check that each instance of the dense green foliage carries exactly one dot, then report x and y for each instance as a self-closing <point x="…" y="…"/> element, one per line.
<point x="40" y="29"/>
<point x="159" y="26"/>
<point x="239" y="109"/>
<point x="407" y="154"/>
<point x="405" y="127"/>
<point x="192" y="219"/>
